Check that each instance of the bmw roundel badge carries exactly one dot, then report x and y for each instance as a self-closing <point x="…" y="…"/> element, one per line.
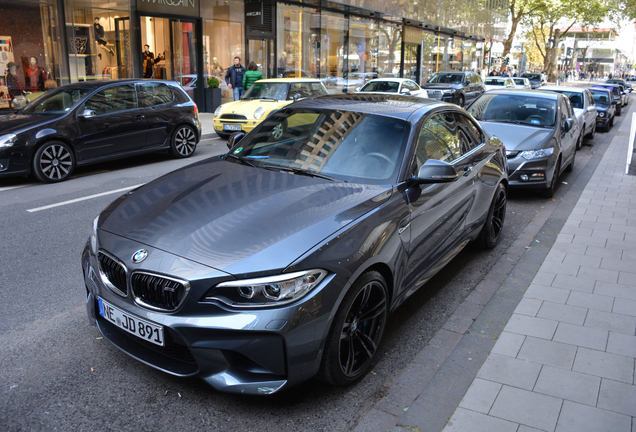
<point x="139" y="256"/>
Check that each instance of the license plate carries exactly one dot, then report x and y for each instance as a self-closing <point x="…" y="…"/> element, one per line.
<point x="232" y="127"/>
<point x="143" y="329"/>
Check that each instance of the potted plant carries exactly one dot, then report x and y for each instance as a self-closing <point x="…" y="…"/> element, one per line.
<point x="212" y="95"/>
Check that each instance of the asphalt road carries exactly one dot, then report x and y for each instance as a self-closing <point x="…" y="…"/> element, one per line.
<point x="58" y="373"/>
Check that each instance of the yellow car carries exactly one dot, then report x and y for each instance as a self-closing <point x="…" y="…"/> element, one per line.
<point x="264" y="97"/>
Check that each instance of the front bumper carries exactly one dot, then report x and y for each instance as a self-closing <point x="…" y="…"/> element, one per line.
<point x="540" y="169"/>
<point x="248" y="351"/>
<point x="602" y="121"/>
<point x="14" y="161"/>
<point x="246" y="125"/>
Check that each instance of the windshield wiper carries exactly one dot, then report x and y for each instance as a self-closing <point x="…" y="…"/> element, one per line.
<point x="241" y="159"/>
<point x="301" y="172"/>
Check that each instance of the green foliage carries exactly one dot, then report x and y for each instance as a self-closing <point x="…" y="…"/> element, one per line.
<point x="213" y="83"/>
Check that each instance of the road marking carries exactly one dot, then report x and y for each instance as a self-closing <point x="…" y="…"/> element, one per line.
<point x="84" y="198"/>
<point x="14" y="187"/>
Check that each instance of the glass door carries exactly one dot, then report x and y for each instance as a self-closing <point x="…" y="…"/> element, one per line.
<point x="261" y="52"/>
<point x="122" y="46"/>
<point x="184" y="56"/>
<point x="412" y="62"/>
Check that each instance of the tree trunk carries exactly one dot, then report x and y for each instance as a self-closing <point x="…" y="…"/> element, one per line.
<point x="508" y="42"/>
<point x="553" y="72"/>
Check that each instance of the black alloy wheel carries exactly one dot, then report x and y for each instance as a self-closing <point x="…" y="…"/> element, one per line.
<point x="579" y="142"/>
<point x="570" y="167"/>
<point x="490" y="233"/>
<point x="461" y="101"/>
<point x="184" y="142"/>
<point x="619" y="108"/>
<point x="592" y="133"/>
<point x="356" y="331"/>
<point x="549" y="192"/>
<point x="53" y="162"/>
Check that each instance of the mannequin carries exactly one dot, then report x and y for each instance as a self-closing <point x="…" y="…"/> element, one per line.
<point x="100" y="37"/>
<point x="13" y="83"/>
<point x="34" y="77"/>
<point x="150" y="61"/>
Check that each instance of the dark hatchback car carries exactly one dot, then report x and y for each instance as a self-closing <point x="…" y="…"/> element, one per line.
<point x="536" y="79"/>
<point x="617" y="95"/>
<point x="281" y="259"/>
<point x="605" y="107"/>
<point x="460" y="88"/>
<point x="91" y="122"/>
<point x="539" y="130"/>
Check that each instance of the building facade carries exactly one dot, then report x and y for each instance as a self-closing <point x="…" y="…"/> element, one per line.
<point x="55" y="42"/>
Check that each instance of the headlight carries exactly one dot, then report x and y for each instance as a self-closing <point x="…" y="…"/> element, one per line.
<point x="8" y="140"/>
<point x="601" y="114"/>
<point x="536" y="154"/>
<point x="217" y="112"/>
<point x="448" y="91"/>
<point x="267" y="291"/>
<point x="93" y="238"/>
<point x="259" y="112"/>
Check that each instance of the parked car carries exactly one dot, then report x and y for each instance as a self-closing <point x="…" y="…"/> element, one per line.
<point x="460" y="88"/>
<point x="584" y="108"/>
<point x="536" y="79"/>
<point x="264" y="97"/>
<point x="498" y="83"/>
<point x="394" y="85"/>
<point x="281" y="259"/>
<point x="622" y="82"/>
<point x="522" y="83"/>
<point x="539" y="130"/>
<point x="97" y="121"/>
<point x="605" y="107"/>
<point x="617" y="95"/>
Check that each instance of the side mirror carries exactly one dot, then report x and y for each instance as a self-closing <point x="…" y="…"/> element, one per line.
<point x="234" y="139"/>
<point x="405" y="91"/>
<point x="567" y="126"/>
<point x="358" y="89"/>
<point x="467" y="82"/>
<point x="614" y="102"/>
<point x="436" y="171"/>
<point x="297" y="96"/>
<point x="87" y="113"/>
<point x="591" y="108"/>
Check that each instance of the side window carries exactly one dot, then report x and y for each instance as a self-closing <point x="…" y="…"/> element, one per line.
<point x="469" y="134"/>
<point x="590" y="98"/>
<point x="113" y="99"/>
<point x="564" y="111"/>
<point x="151" y="94"/>
<point x="476" y="79"/>
<point x="430" y="147"/>
<point x="410" y="85"/>
<point x="444" y="128"/>
<point x="318" y="89"/>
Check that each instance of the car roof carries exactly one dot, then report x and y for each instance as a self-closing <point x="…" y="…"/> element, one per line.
<point x="526" y="92"/>
<point x="390" y="80"/>
<point x="564" y="88"/>
<point x="385" y="104"/>
<point x="100" y="83"/>
<point x="289" y="80"/>
<point x="455" y="72"/>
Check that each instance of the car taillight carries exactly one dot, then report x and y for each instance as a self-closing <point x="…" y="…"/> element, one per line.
<point x="196" y="110"/>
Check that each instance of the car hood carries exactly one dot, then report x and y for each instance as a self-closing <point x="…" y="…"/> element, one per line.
<point x="518" y="137"/>
<point x="236" y="218"/>
<point x="438" y="86"/>
<point x="19" y="122"/>
<point x="247" y="107"/>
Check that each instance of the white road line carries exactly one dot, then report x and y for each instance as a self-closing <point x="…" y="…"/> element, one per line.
<point x="14" y="187"/>
<point x="83" y="199"/>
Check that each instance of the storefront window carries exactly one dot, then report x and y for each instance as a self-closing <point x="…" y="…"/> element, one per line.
<point x="429" y="56"/>
<point x="363" y="50"/>
<point x="29" y="50"/>
<point x="98" y="42"/>
<point x="389" y="50"/>
<point x="297" y="44"/>
<point x="334" y="51"/>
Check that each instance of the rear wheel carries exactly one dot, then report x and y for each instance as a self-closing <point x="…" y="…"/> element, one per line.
<point x="490" y="233"/>
<point x="619" y="108"/>
<point x="184" y="142"/>
<point x="549" y="192"/>
<point x="570" y="167"/>
<point x="579" y="143"/>
<point x="53" y="162"/>
<point x="356" y="331"/>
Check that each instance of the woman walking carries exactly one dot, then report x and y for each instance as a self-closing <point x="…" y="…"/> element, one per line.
<point x="251" y="76"/>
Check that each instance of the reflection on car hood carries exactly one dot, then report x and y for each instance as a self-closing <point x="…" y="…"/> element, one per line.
<point x="19" y="122"/>
<point x="247" y="107"/>
<point x="518" y="137"/>
<point x="237" y="218"/>
<point x="438" y="86"/>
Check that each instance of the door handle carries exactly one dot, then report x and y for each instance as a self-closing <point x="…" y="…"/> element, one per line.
<point x="140" y="117"/>
<point x="467" y="170"/>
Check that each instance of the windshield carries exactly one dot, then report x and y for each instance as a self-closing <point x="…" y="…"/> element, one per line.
<point x="519" y="109"/>
<point x="519" y="81"/>
<point x="267" y="90"/>
<point x="613" y="89"/>
<point x="601" y="98"/>
<point x="381" y="86"/>
<point x="56" y="102"/>
<point x="576" y="98"/>
<point x="344" y="145"/>
<point x="494" y="82"/>
<point x="532" y="77"/>
<point x="447" y="78"/>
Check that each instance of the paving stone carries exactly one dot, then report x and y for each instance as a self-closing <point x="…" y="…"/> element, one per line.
<point x="604" y="252"/>
<point x="594" y="225"/>
<point x="590" y="301"/>
<point x="527" y="408"/>
<point x="464" y="420"/>
<point x="541" y="292"/>
<point x="560" y="268"/>
<point x="585" y="232"/>
<point x="528" y="306"/>
<point x="615" y="290"/>
<point x="564" y="313"/>
<point x="627" y="278"/>
<point x="480" y="395"/>
<point x="581" y="336"/>
<point x="568" y="385"/>
<point x="544" y="278"/>
<point x="618" y="397"/>
<point x="598" y="233"/>
<point x="576" y="417"/>
<point x="569" y="248"/>
<point x="547" y="352"/>
<point x="376" y="421"/>
<point x="598" y="274"/>
<point x="604" y="365"/>
<point x="582" y="260"/>
<point x="523" y="428"/>
<point x="624" y="307"/>
<point x="589" y="241"/>
<point x="555" y="255"/>
<point x="508" y="344"/>
<point x="622" y="344"/>
<point x="510" y="371"/>
<point x="621" y="265"/>
<point x="530" y="326"/>
<point x="574" y="283"/>
<point x="463" y="317"/>
<point x="611" y="322"/>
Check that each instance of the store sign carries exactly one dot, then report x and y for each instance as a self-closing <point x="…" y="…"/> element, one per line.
<point x="172" y="7"/>
<point x="412" y="35"/>
<point x="254" y="14"/>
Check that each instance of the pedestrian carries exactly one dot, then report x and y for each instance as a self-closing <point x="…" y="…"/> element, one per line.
<point x="234" y="78"/>
<point x="251" y="76"/>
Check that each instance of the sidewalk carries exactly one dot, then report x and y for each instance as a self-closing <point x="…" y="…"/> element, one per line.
<point x="207" y="126"/>
<point x="547" y="341"/>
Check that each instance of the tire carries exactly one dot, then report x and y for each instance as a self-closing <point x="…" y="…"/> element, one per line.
<point x="579" y="142"/>
<point x="592" y="133"/>
<point x="549" y="192"/>
<point x="356" y="331"/>
<point x="461" y="101"/>
<point x="222" y="135"/>
<point x="570" y="167"/>
<point x="53" y="162"/>
<point x="490" y="233"/>
<point x="611" y="124"/>
<point x="184" y="142"/>
<point x="619" y="109"/>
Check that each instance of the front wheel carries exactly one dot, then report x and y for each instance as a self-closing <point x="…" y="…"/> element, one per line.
<point x="53" y="162"/>
<point x="356" y="331"/>
<point x="592" y="133"/>
<point x="461" y="101"/>
<point x="184" y="142"/>
<point x="549" y="192"/>
<point x="579" y="143"/>
<point x="490" y="233"/>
